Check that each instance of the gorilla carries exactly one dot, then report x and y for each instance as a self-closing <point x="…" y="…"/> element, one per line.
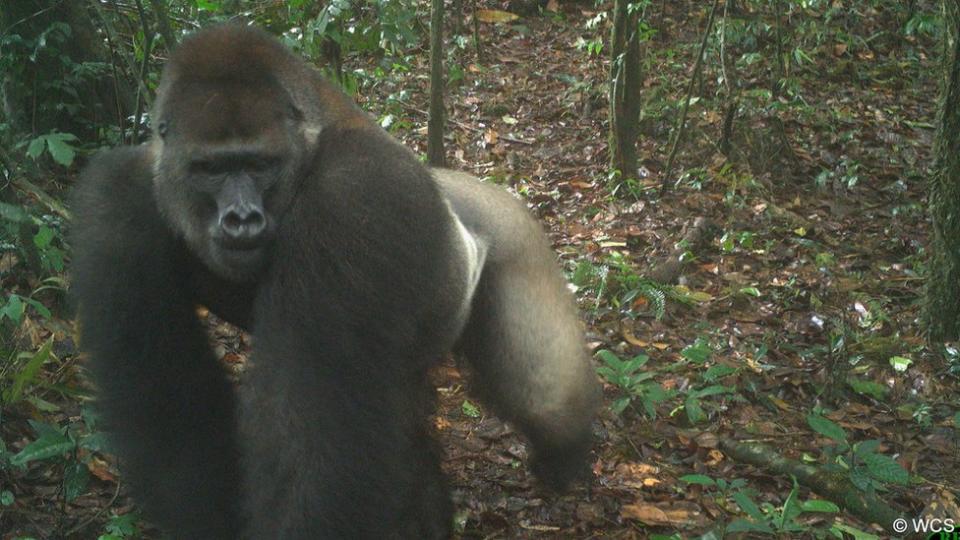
<point x="267" y="196"/>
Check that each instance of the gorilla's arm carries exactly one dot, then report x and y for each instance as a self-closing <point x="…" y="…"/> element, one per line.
<point x="523" y="338"/>
<point x="164" y="398"/>
<point x="355" y="307"/>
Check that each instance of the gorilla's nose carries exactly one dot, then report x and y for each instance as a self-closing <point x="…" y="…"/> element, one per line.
<point x="243" y="223"/>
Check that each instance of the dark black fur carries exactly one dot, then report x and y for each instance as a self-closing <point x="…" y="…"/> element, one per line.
<point x="360" y="290"/>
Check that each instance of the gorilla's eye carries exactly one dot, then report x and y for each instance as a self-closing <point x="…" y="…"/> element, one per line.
<point x="162" y="129"/>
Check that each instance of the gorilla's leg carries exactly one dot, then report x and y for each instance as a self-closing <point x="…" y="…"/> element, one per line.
<point x="163" y="396"/>
<point x="523" y="338"/>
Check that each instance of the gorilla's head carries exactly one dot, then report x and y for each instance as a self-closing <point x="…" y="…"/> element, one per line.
<point x="230" y="142"/>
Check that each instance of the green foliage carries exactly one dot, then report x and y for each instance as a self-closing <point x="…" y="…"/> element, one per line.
<point x="14" y="306"/>
<point x="634" y="383"/>
<point x="24" y="372"/>
<point x="616" y="281"/>
<point x="928" y="23"/>
<point x="469" y="409"/>
<point x="868" y="388"/>
<point x="731" y="240"/>
<point x="36" y="240"/>
<point x="827" y="428"/>
<point x="387" y="26"/>
<point x="698" y="352"/>
<point x="594" y="47"/>
<point x="57" y="447"/>
<point x="122" y="526"/>
<point x="866" y="469"/>
<point x="57" y="145"/>
<point x="692" y="405"/>
<point x="768" y="519"/>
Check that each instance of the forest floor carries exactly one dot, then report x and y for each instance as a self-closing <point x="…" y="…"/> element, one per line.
<point x="800" y="294"/>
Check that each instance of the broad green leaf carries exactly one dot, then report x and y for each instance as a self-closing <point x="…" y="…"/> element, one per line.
<point x="694" y="411"/>
<point x="635" y="363"/>
<point x="76" y="476"/>
<point x="820" y="505"/>
<point x="868" y="388"/>
<point x="826" y="427"/>
<point x="13" y="309"/>
<point x="28" y="373"/>
<point x="61" y="152"/>
<point x="718" y="371"/>
<point x="41" y="309"/>
<point x="743" y="500"/>
<point x="620" y="404"/>
<point x="866" y="447"/>
<point x="610" y="359"/>
<point x="36" y="146"/>
<point x="46" y="446"/>
<point x="698" y="352"/>
<point x="885" y="469"/>
<point x="469" y="409"/>
<point x="857" y="534"/>
<point x="43" y="237"/>
<point x="791" y="508"/>
<point x="124" y="525"/>
<point x="900" y="363"/>
<point x="699" y="479"/>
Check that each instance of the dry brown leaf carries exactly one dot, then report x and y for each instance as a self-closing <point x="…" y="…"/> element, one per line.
<point x="678" y="514"/>
<point x="707" y="440"/>
<point x="627" y="334"/>
<point x="101" y="469"/>
<point x="495" y="16"/>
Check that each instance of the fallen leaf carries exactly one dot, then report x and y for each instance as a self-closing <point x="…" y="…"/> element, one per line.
<point x="495" y="16"/>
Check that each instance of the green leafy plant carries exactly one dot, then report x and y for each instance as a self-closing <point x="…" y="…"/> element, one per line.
<point x="627" y="375"/>
<point x="122" y="526"/>
<point x="768" y="519"/>
<point x="60" y="447"/>
<point x="57" y="145"/>
<point x="867" y="469"/>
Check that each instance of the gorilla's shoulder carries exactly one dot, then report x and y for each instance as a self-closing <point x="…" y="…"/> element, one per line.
<point x="118" y="163"/>
<point x="115" y="181"/>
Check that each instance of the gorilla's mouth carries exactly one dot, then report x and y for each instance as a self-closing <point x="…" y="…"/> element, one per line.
<point x="237" y="263"/>
<point x="239" y="245"/>
<point x="244" y="256"/>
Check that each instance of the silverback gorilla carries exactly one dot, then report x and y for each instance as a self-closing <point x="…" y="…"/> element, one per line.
<point x="268" y="196"/>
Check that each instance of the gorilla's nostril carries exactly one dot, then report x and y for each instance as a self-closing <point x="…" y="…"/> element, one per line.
<point x="243" y="223"/>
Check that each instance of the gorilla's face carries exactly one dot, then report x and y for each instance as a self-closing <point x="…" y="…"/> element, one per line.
<point x="227" y="160"/>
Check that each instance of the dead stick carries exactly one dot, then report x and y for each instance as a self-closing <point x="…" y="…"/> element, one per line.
<point x="686" y="102"/>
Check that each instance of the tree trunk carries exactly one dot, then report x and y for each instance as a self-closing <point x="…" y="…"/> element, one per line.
<point x="163" y="23"/>
<point x="435" y="123"/>
<point x="624" y="89"/>
<point x="941" y="313"/>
